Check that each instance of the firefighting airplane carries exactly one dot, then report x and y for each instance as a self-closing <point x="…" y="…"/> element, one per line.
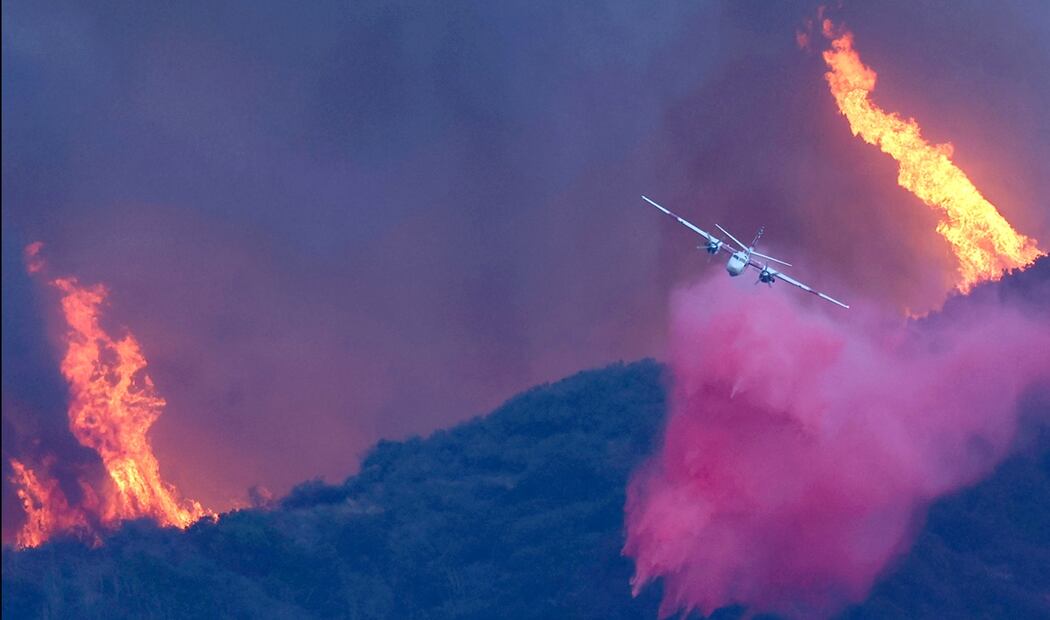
<point x="742" y="258"/>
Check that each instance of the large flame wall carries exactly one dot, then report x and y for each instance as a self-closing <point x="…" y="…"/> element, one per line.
<point x="112" y="405"/>
<point x="985" y="244"/>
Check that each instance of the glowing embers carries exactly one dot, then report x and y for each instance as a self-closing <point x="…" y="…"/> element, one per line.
<point x="983" y="241"/>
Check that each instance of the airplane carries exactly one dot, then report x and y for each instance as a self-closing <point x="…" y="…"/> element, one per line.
<point x="741" y="257"/>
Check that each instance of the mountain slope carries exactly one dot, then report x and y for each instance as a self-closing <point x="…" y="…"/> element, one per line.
<point x="516" y="514"/>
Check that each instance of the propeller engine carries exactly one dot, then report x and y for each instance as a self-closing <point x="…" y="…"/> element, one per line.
<point x="713" y="246"/>
<point x="766" y="276"/>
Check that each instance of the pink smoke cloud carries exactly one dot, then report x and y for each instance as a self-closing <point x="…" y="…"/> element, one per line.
<point x="803" y="447"/>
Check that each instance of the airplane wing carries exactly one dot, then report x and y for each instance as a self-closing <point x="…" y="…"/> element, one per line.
<point x="786" y="278"/>
<point x="775" y="260"/>
<point x="684" y="222"/>
<point x="739" y="244"/>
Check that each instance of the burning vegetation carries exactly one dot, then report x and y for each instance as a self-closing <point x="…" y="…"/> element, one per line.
<point x="761" y="493"/>
<point x="112" y="405"/>
<point x="983" y="241"/>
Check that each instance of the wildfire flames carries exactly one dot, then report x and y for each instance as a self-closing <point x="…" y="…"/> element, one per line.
<point x="983" y="241"/>
<point x="761" y="494"/>
<point x="47" y="509"/>
<point x="113" y="404"/>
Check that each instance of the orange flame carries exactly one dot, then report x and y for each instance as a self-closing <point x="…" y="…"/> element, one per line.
<point x="47" y="510"/>
<point x="983" y="241"/>
<point x="113" y="404"/>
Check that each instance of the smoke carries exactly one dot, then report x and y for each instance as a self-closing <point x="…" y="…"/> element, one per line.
<point x="342" y="222"/>
<point x="339" y="224"/>
<point x="802" y="448"/>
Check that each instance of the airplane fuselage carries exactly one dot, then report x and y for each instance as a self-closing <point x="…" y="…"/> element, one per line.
<point x="737" y="263"/>
<point x="740" y="259"/>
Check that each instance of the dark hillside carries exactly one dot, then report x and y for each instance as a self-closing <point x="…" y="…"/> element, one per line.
<point x="517" y="514"/>
<point x="984" y="553"/>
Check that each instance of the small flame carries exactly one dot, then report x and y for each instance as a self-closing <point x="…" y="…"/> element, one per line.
<point x="47" y="510"/>
<point x="113" y="404"/>
<point x="983" y="241"/>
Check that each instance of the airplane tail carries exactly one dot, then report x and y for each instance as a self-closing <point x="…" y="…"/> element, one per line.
<point x="752" y="251"/>
<point x="758" y="235"/>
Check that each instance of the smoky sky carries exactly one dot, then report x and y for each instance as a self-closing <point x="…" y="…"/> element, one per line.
<point x="334" y="222"/>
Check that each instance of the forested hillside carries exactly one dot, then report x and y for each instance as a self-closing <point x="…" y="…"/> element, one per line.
<point x="516" y="514"/>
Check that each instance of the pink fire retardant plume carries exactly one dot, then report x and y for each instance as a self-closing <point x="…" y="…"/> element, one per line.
<point x="803" y="448"/>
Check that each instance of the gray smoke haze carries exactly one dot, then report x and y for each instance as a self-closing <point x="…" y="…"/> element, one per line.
<point x="332" y="223"/>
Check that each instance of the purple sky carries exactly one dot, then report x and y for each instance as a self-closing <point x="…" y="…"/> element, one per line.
<point x="329" y="224"/>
